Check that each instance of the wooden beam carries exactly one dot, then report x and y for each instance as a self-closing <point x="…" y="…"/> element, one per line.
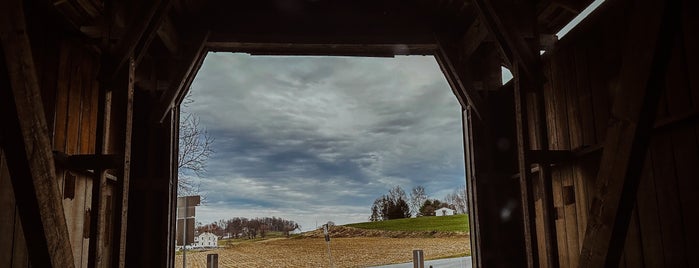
<point x="168" y="35"/>
<point x="27" y="146"/>
<point x="126" y="100"/>
<point x="459" y="77"/>
<point x="524" y="162"/>
<point x="98" y="218"/>
<point x="382" y="43"/>
<point x="138" y="37"/>
<point x="183" y="76"/>
<point x="87" y="161"/>
<point x="512" y="43"/>
<point x="472" y="39"/>
<point x="652" y="25"/>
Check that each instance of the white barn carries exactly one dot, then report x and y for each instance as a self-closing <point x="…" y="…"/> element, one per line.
<point x="444" y="212"/>
<point x="206" y="240"/>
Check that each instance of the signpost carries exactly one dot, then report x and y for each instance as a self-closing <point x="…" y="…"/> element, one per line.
<point x="185" y="223"/>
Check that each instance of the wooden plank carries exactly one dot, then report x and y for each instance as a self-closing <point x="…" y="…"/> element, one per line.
<point x="557" y="181"/>
<point x="125" y="171"/>
<point x="99" y="231"/>
<point x="584" y="95"/>
<point x="20" y="252"/>
<point x="73" y="207"/>
<point x="686" y="154"/>
<point x="600" y="91"/>
<point x="571" y="100"/>
<point x="7" y="213"/>
<point x="649" y="217"/>
<point x="571" y="217"/>
<point x="547" y="114"/>
<point x="61" y="113"/>
<point x="633" y="252"/>
<point x="26" y="140"/>
<point x="679" y="98"/>
<point x="521" y="85"/>
<point x="628" y="134"/>
<point x="186" y="70"/>
<point x="690" y="26"/>
<point x="581" y="199"/>
<point x="670" y="213"/>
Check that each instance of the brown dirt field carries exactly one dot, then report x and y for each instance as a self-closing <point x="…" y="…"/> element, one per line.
<point x="312" y="252"/>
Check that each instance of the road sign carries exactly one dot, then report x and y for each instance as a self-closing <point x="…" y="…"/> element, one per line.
<point x="181" y="231"/>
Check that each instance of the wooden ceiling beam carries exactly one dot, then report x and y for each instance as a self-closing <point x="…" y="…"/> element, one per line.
<point x="647" y="50"/>
<point x="512" y="42"/>
<point x="139" y="34"/>
<point x="169" y="36"/>
<point x="475" y="35"/>
<point x="27" y="145"/>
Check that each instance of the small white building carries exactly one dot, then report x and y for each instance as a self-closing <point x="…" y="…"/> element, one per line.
<point x="206" y="240"/>
<point x="444" y="212"/>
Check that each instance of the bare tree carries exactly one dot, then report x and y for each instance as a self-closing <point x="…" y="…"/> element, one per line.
<point x="195" y="149"/>
<point x="459" y="199"/>
<point x="418" y="196"/>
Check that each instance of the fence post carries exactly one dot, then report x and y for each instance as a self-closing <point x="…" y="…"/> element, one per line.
<point x="211" y="260"/>
<point x="418" y="259"/>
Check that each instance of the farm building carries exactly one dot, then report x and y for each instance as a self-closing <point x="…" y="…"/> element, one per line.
<point x="444" y="212"/>
<point x="206" y="239"/>
<point x="589" y="157"/>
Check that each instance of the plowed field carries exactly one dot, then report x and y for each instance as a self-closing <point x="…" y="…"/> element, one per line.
<point x="312" y="252"/>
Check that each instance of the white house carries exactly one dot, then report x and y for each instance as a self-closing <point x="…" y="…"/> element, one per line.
<point x="206" y="240"/>
<point x="444" y="212"/>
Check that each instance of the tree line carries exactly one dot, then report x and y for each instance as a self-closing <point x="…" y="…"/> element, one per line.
<point x="396" y="204"/>
<point x="241" y="227"/>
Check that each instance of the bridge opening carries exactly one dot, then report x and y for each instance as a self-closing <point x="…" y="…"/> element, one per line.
<point x="311" y="140"/>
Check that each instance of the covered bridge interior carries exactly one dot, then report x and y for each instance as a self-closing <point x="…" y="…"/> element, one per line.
<point x="589" y="157"/>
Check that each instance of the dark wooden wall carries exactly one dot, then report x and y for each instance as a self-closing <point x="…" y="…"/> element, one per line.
<point x="582" y="78"/>
<point x="70" y="95"/>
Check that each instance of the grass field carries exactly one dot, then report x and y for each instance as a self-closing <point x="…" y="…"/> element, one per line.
<point x="312" y="252"/>
<point x="456" y="223"/>
<point x="365" y="244"/>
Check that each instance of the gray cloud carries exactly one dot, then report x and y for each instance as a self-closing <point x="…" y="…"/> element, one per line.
<point x="310" y="135"/>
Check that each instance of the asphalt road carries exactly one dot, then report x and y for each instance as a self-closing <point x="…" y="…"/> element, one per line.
<point x="462" y="262"/>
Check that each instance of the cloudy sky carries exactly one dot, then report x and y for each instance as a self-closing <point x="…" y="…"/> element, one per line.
<point x="314" y="139"/>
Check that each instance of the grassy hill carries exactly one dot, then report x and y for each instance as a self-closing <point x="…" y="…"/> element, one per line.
<point x="456" y="223"/>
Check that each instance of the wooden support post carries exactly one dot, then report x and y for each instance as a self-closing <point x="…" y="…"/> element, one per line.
<point x="25" y="140"/>
<point x="524" y="163"/>
<point x="528" y="77"/>
<point x="125" y="101"/>
<point x="646" y="55"/>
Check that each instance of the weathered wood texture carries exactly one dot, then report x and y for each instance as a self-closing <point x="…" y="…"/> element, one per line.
<point x="26" y="146"/>
<point x="73" y="115"/>
<point x="582" y="80"/>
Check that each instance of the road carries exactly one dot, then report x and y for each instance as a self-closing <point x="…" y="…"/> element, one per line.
<point x="462" y="262"/>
